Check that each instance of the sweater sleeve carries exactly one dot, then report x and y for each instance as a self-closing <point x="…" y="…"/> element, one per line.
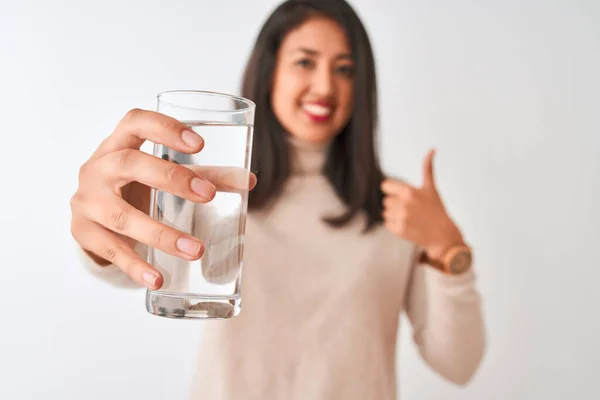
<point x="448" y="328"/>
<point x="111" y="274"/>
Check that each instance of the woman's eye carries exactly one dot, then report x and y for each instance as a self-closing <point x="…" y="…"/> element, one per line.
<point x="345" y="70"/>
<point x="305" y="62"/>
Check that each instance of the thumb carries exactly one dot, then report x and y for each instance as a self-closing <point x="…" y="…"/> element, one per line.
<point x="428" y="178"/>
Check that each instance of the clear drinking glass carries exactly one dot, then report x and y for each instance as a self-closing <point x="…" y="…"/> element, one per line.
<point x="210" y="286"/>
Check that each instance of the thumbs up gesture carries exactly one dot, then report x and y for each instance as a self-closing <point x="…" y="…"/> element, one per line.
<point x="418" y="213"/>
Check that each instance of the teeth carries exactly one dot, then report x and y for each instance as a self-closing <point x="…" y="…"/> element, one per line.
<point x="317" y="110"/>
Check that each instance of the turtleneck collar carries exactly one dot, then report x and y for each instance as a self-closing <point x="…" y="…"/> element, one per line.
<point x="307" y="158"/>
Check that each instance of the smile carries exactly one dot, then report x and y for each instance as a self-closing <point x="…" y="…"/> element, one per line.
<point x="316" y="112"/>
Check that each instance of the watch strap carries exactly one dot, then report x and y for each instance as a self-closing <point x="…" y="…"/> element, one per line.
<point x="445" y="264"/>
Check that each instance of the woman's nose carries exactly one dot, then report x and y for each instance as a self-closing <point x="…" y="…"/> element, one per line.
<point x="322" y="82"/>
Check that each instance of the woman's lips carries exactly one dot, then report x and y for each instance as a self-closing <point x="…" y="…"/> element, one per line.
<point x="318" y="112"/>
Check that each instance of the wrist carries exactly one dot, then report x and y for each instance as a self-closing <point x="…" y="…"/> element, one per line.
<point x="455" y="259"/>
<point x="438" y="251"/>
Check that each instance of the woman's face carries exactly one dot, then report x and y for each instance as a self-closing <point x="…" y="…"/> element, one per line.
<point x="313" y="81"/>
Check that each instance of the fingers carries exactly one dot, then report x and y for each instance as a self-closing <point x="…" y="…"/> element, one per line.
<point x="100" y="241"/>
<point x="253" y="181"/>
<point x="195" y="183"/>
<point x="389" y="202"/>
<point x="399" y="219"/>
<point x="393" y="187"/>
<point x="428" y="178"/>
<point x="117" y="215"/>
<point x="396" y="210"/>
<point x="137" y="126"/>
<point x="401" y="229"/>
<point x="129" y="165"/>
<point x="396" y="207"/>
<point x="227" y="179"/>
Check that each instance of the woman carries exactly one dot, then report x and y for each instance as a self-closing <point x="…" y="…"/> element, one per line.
<point x="334" y="252"/>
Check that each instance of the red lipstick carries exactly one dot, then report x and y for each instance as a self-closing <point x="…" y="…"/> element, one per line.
<point x="317" y="114"/>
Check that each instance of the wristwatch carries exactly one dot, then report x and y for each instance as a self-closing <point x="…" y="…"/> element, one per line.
<point x="456" y="260"/>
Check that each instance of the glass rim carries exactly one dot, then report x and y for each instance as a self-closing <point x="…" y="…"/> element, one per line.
<point x="248" y="104"/>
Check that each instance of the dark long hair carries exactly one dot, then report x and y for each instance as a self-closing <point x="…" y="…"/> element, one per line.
<point x="352" y="166"/>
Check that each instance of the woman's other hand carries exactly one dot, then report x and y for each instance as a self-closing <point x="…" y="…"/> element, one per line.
<point x="418" y="213"/>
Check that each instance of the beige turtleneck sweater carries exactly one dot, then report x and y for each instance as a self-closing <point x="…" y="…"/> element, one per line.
<point x="321" y="306"/>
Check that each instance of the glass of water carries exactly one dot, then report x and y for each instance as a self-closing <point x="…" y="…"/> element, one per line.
<point x="210" y="286"/>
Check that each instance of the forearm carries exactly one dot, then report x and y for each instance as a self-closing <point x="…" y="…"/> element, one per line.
<point x="448" y="323"/>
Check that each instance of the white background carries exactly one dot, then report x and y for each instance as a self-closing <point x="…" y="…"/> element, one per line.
<point x="508" y="91"/>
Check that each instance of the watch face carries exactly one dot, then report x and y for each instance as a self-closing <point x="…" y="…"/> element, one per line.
<point x="460" y="262"/>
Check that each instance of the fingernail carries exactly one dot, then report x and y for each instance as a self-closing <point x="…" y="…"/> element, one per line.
<point x="150" y="278"/>
<point x="191" y="138"/>
<point x="203" y="188"/>
<point x="188" y="246"/>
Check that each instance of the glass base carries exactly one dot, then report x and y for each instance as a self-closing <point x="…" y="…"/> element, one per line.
<point x="188" y="306"/>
